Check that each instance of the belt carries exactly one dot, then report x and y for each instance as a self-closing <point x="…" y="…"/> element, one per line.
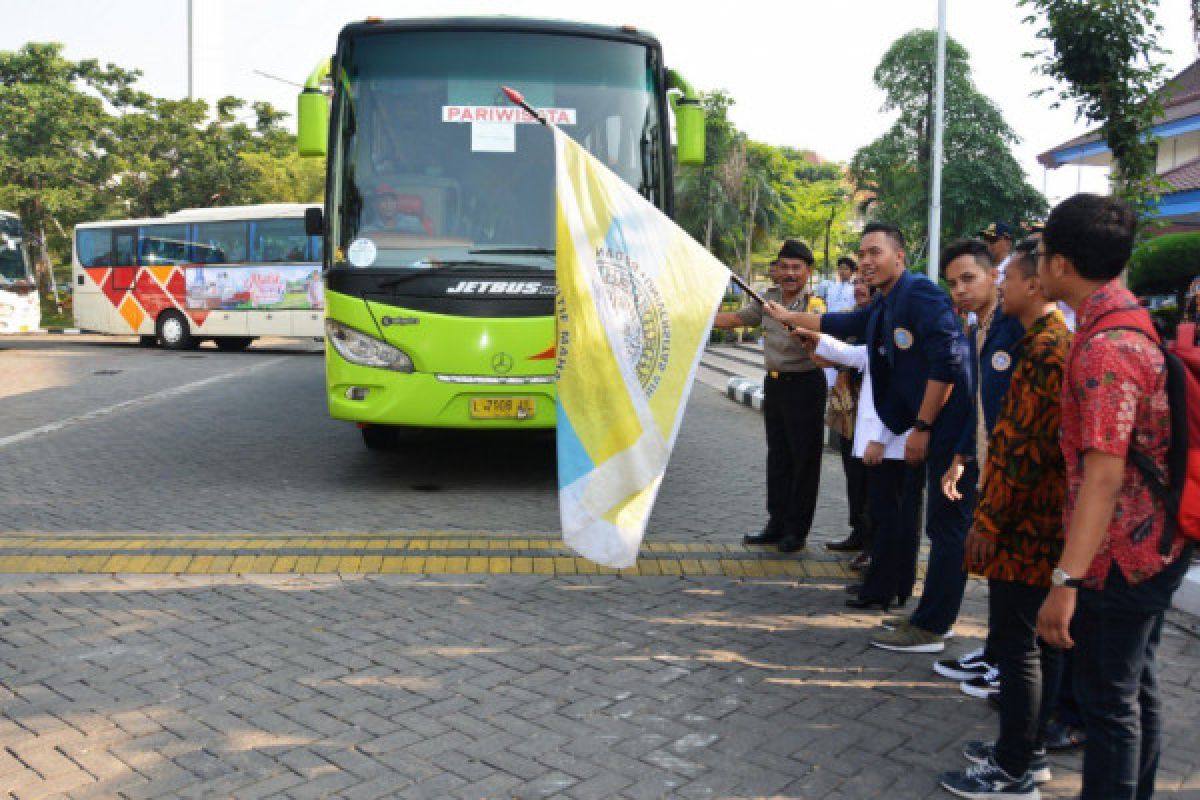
<point x="783" y="376"/>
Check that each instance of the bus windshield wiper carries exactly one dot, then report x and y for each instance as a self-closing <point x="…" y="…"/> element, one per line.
<point x="513" y="251"/>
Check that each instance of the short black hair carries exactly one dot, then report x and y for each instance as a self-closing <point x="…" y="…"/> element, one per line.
<point x="1023" y="257"/>
<point x="847" y="262"/>
<point x="1095" y="232"/>
<point x="794" y="248"/>
<point x="976" y="248"/>
<point x="887" y="229"/>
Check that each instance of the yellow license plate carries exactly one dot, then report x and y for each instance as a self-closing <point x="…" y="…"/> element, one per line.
<point x="502" y="407"/>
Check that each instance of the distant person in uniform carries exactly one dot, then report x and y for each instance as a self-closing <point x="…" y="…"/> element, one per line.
<point x="999" y="239"/>
<point x="793" y="404"/>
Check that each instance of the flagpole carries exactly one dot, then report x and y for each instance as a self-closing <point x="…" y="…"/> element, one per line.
<point x="939" y="123"/>
<point x="519" y="99"/>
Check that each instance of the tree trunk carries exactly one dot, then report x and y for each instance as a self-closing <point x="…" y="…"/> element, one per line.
<point x="750" y="230"/>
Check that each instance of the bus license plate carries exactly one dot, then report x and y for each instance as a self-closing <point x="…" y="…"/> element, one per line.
<point x="502" y="407"/>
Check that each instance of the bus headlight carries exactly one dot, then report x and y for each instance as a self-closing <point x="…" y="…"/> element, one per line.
<point x="6" y="309"/>
<point x="367" y="351"/>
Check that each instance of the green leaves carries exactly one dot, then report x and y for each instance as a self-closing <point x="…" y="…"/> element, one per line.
<point x="981" y="180"/>
<point x="1101" y="57"/>
<point x="749" y="195"/>
<point x="79" y="141"/>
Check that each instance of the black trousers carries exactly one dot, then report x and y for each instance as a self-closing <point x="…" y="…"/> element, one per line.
<point x="895" y="492"/>
<point x="1116" y="631"/>
<point x="794" y="414"/>
<point x="1030" y="672"/>
<point x="856" y="492"/>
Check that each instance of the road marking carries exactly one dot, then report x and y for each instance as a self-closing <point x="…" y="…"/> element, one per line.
<point x="165" y="394"/>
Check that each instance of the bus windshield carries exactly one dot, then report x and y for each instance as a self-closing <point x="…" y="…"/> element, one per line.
<point x="433" y="166"/>
<point x="13" y="265"/>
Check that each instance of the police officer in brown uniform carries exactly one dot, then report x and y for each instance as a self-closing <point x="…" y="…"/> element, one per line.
<point x="793" y="404"/>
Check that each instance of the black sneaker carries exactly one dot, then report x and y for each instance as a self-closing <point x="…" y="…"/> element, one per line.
<point x="982" y="686"/>
<point x="1061" y="736"/>
<point x="981" y="781"/>
<point x="963" y="668"/>
<point x="979" y="752"/>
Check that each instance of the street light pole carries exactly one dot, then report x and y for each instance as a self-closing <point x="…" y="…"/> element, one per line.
<point x="191" y="95"/>
<point x="939" y="122"/>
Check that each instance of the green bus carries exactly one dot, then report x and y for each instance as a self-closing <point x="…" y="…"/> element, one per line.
<point x="439" y="218"/>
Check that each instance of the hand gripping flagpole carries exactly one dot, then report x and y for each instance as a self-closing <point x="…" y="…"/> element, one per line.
<point x="518" y="99"/>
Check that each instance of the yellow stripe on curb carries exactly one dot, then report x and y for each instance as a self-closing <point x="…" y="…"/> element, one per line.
<point x="548" y="566"/>
<point x="423" y="553"/>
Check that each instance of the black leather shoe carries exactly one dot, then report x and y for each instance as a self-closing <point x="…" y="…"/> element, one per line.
<point x="867" y="605"/>
<point x="765" y="536"/>
<point x="851" y="544"/>
<point x="790" y="544"/>
<point x="854" y="588"/>
<point x="861" y="562"/>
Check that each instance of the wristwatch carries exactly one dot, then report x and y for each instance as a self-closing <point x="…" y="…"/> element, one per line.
<point x="921" y="426"/>
<point x="1060" y="578"/>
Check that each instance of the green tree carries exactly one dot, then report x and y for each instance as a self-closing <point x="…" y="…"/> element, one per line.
<point x="79" y="141"/>
<point x="704" y="206"/>
<point x="58" y="141"/>
<point x="1165" y="264"/>
<point x="981" y="180"/>
<point x="1102" y="55"/>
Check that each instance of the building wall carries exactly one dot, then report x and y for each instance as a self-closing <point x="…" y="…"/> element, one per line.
<point x="1178" y="150"/>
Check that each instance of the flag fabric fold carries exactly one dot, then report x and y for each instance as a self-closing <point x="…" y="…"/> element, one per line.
<point x="636" y="300"/>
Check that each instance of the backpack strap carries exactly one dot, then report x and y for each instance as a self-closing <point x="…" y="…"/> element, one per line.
<point x="1136" y="319"/>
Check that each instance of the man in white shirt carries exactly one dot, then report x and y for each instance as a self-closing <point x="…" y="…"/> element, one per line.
<point x="839" y="294"/>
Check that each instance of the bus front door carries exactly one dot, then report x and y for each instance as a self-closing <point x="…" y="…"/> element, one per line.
<point x="124" y="273"/>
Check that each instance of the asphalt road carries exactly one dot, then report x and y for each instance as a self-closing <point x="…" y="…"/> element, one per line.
<point x="100" y="435"/>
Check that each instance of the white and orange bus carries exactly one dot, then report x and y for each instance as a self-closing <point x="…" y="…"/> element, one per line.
<point x="228" y="274"/>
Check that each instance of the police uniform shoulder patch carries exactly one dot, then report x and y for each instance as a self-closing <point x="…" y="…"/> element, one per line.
<point x="903" y="337"/>
<point x="1001" y="361"/>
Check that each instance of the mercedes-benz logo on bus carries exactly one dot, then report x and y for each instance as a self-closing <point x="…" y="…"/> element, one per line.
<point x="502" y="363"/>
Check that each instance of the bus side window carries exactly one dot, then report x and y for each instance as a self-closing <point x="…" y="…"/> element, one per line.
<point x="226" y="242"/>
<point x="277" y="240"/>
<point x="94" y="247"/>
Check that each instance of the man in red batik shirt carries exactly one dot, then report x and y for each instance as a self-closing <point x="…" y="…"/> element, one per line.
<point x="1112" y="578"/>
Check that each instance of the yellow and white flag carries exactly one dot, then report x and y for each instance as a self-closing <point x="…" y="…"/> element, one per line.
<point x="636" y="299"/>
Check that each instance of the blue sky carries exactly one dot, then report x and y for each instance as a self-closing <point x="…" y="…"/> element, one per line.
<point x="800" y="72"/>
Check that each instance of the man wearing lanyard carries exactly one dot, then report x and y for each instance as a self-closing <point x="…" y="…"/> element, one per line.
<point x="920" y="380"/>
<point x="793" y="404"/>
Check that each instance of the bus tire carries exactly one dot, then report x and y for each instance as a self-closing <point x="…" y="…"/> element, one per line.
<point x="380" y="437"/>
<point x="233" y="344"/>
<point x="174" y="333"/>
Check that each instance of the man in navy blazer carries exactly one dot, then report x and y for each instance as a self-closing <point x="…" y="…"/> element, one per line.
<point x="921" y="381"/>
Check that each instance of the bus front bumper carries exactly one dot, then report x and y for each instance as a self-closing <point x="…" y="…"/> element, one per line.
<point x="383" y="397"/>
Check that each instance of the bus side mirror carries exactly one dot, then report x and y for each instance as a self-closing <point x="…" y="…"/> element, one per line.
<point x="312" y="129"/>
<point x="689" y="131"/>
<point x="314" y="222"/>
<point x="689" y="120"/>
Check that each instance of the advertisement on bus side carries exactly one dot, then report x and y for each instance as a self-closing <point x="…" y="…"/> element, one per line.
<point x="277" y="288"/>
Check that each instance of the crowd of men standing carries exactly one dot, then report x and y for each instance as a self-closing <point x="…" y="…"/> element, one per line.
<point x="1031" y="450"/>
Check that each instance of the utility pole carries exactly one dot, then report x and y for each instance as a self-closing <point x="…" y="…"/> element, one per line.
<point x="939" y="122"/>
<point x="190" y="43"/>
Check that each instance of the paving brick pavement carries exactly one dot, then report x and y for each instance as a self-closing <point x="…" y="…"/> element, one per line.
<point x="489" y="686"/>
